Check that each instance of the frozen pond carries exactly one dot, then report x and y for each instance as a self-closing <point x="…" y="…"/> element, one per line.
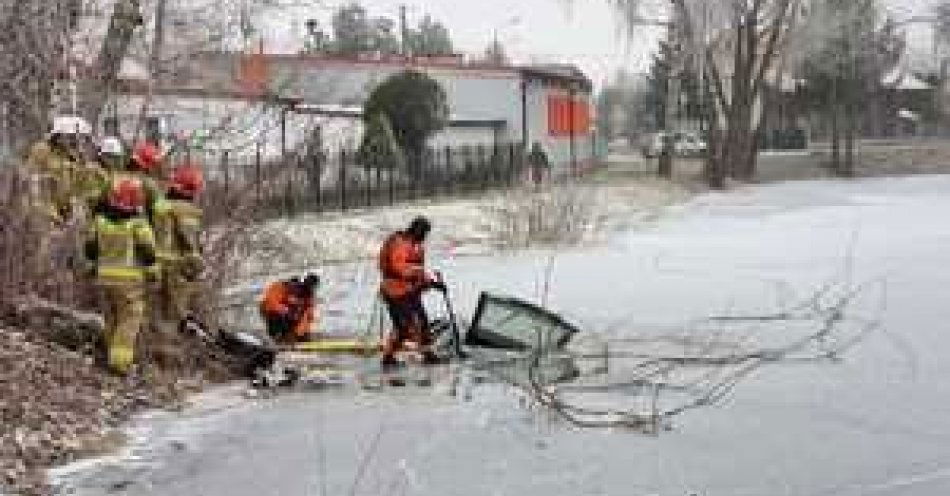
<point x="877" y="423"/>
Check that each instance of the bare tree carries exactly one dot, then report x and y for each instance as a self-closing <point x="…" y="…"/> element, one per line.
<point x="101" y="84"/>
<point x="643" y="384"/>
<point x="736" y="46"/>
<point x="33" y="46"/>
<point x="849" y="50"/>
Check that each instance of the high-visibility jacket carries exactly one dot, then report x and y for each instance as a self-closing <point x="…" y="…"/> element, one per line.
<point x="53" y="178"/>
<point x="177" y="232"/>
<point x="279" y="301"/>
<point x="122" y="248"/>
<point x="402" y="266"/>
<point x="109" y="178"/>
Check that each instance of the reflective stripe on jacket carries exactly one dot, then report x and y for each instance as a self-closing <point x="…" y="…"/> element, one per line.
<point x="124" y="249"/>
<point x="53" y="177"/>
<point x="177" y="230"/>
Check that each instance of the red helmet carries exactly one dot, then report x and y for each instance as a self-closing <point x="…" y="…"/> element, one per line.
<point x="127" y="196"/>
<point x="187" y="180"/>
<point x="146" y="157"/>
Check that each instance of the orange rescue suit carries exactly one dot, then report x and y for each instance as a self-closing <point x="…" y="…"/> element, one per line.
<point x="280" y="301"/>
<point x="402" y="264"/>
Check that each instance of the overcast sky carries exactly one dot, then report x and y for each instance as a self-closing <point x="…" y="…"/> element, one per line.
<point x="583" y="32"/>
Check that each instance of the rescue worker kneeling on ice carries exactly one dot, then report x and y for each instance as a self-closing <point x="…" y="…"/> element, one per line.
<point x="402" y="264"/>
<point x="288" y="309"/>
<point x="120" y="248"/>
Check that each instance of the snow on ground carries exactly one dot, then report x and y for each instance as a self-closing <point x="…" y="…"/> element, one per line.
<point x="501" y="220"/>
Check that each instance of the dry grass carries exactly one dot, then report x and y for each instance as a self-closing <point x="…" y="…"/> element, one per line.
<point x="548" y="214"/>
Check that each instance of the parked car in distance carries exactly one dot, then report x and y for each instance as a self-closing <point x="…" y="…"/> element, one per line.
<point x="685" y="144"/>
<point x="618" y="145"/>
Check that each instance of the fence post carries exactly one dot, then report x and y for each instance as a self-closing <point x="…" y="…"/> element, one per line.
<point x="367" y="180"/>
<point x="511" y="164"/>
<point x="447" y="172"/>
<point x="497" y="167"/>
<point x="226" y="172"/>
<point x="288" y="187"/>
<point x="392" y="178"/>
<point x="379" y="177"/>
<point x="482" y="167"/>
<point x="466" y="167"/>
<point x="342" y="179"/>
<point x="318" y="159"/>
<point x="257" y="176"/>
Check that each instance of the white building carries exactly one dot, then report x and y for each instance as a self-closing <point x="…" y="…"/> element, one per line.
<point x="550" y="105"/>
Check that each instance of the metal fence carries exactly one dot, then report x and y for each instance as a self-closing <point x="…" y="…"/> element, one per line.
<point x="339" y="180"/>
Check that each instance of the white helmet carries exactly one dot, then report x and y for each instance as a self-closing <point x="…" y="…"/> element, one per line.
<point x="70" y="124"/>
<point x="111" y="146"/>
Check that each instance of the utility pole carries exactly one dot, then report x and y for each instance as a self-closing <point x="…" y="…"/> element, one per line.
<point x="677" y="60"/>
<point x="158" y="41"/>
<point x="404" y="29"/>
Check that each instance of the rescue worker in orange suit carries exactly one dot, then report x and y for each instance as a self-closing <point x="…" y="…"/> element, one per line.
<point x="402" y="264"/>
<point x="120" y="249"/>
<point x="177" y="220"/>
<point x="289" y="310"/>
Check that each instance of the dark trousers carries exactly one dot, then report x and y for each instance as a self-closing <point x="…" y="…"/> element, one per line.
<point x="410" y="322"/>
<point x="279" y="327"/>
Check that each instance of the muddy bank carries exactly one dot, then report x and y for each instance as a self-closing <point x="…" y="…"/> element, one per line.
<point x="59" y="404"/>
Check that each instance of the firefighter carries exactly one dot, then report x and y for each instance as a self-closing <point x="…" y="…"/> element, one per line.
<point x="177" y="222"/>
<point x="120" y="249"/>
<point x="110" y="160"/>
<point x="289" y="310"/>
<point x="54" y="164"/>
<point x="146" y="165"/>
<point x="112" y="155"/>
<point x="140" y="166"/>
<point x="404" y="280"/>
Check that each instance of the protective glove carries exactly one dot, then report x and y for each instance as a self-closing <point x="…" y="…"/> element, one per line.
<point x="153" y="273"/>
<point x="439" y="286"/>
<point x="192" y="266"/>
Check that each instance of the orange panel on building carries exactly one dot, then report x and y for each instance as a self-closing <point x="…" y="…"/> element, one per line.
<point x="567" y="116"/>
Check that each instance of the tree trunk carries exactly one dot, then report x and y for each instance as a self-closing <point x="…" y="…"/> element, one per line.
<point x="32" y="36"/>
<point x="850" y="132"/>
<point x="835" y="139"/>
<point x="126" y="17"/>
<point x="715" y="175"/>
<point x="665" y="167"/>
